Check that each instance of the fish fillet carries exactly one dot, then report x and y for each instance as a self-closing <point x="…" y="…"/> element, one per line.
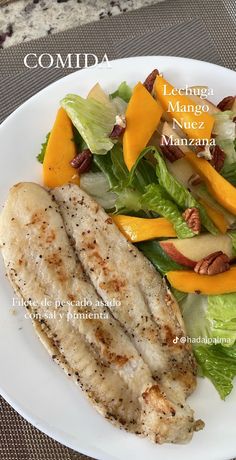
<point x="42" y="263"/>
<point x="119" y="271"/>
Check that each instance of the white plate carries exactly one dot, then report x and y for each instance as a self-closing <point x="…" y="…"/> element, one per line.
<point x="29" y="380"/>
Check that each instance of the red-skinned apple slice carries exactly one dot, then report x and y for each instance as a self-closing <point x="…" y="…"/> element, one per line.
<point x="190" y="250"/>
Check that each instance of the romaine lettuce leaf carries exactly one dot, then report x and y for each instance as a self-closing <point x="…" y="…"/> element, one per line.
<point x="41" y="155"/>
<point x="141" y="174"/>
<point x="93" y="120"/>
<point x="194" y="309"/>
<point x="229" y="173"/>
<point x="224" y="130"/>
<point x="212" y="317"/>
<point x="124" y="92"/>
<point x="104" y="163"/>
<point x="120" y="105"/>
<point x="128" y="194"/>
<point x="221" y="313"/>
<point x="156" y="199"/>
<point x="128" y="200"/>
<point x="161" y="261"/>
<point x="119" y="167"/>
<point x="219" y="365"/>
<point x="179" y="295"/>
<point x="232" y="235"/>
<point x="202" y="192"/>
<point x="96" y="185"/>
<point x="182" y="197"/>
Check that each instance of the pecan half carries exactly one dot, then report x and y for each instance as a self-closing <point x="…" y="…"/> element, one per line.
<point x="117" y="132"/>
<point x="149" y="82"/>
<point x="218" y="157"/>
<point x="171" y="152"/>
<point x="119" y="127"/>
<point x="195" y="179"/>
<point x="192" y="219"/>
<point x="226" y="103"/>
<point x="215" y="263"/>
<point x="83" y="161"/>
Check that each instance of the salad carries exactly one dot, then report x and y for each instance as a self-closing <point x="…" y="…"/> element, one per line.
<point x="162" y="162"/>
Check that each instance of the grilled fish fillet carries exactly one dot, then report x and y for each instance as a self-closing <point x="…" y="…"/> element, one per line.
<point x="146" y="309"/>
<point x="42" y="263"/>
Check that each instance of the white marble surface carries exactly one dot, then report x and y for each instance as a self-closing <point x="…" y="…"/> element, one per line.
<point x="29" y="19"/>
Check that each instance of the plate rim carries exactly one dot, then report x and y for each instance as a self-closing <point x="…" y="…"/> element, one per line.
<point x="37" y="94"/>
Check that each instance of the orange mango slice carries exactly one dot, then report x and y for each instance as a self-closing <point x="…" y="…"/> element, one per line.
<point x="196" y="126"/>
<point x="60" y="150"/>
<point x="143" y="115"/>
<point x="139" y="229"/>
<point x="218" y="186"/>
<point x="216" y="216"/>
<point x="191" y="282"/>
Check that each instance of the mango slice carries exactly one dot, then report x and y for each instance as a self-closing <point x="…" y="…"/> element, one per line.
<point x="216" y="216"/>
<point x="143" y="115"/>
<point x="191" y="282"/>
<point x="138" y="229"/>
<point x="195" y="125"/>
<point x="220" y="188"/>
<point x="60" y="150"/>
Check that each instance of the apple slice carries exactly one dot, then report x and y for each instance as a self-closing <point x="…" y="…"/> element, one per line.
<point x="181" y="169"/>
<point x="190" y="250"/>
<point x="200" y="101"/>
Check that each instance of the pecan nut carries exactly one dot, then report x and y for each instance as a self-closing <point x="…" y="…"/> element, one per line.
<point x="215" y="263"/>
<point x="170" y="151"/>
<point x="226" y="103"/>
<point x="119" y="127"/>
<point x="192" y="219"/>
<point x="117" y="132"/>
<point x="83" y="161"/>
<point x="218" y="157"/>
<point x="149" y="82"/>
<point x="194" y="180"/>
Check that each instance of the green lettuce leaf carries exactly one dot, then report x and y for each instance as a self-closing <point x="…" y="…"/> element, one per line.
<point x="104" y="163"/>
<point x="156" y="199"/>
<point x="221" y="313"/>
<point x="232" y="235"/>
<point x="128" y="200"/>
<point x="229" y="173"/>
<point x="219" y="365"/>
<point x="194" y="310"/>
<point x="224" y="130"/>
<point x="212" y="319"/>
<point x="119" y="167"/>
<point x="179" y="295"/>
<point x="182" y="197"/>
<point x="142" y="173"/>
<point x="202" y="192"/>
<point x="93" y="120"/>
<point x="41" y="155"/>
<point x="96" y="185"/>
<point x="128" y="194"/>
<point x="161" y="261"/>
<point x="124" y="92"/>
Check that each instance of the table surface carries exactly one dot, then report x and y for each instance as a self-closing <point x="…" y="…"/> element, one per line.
<point x="25" y="20"/>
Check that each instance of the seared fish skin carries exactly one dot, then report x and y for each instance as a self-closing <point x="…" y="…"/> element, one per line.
<point x="98" y="353"/>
